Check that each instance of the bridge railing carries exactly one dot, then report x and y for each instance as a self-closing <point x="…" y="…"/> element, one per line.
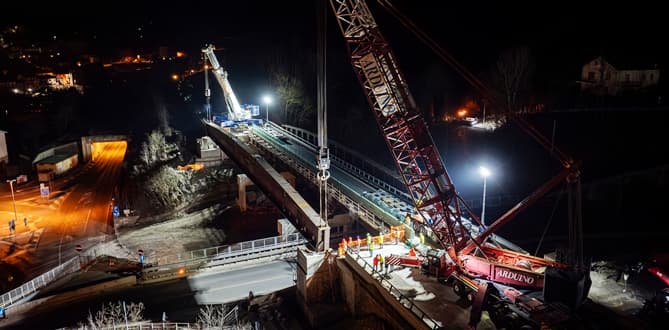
<point x="385" y="283"/>
<point x="346" y="159"/>
<point x="234" y="250"/>
<point x="160" y="326"/>
<point x="39" y="282"/>
<point x="309" y="173"/>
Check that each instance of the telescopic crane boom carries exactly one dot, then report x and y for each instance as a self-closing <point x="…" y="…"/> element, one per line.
<point x="235" y="110"/>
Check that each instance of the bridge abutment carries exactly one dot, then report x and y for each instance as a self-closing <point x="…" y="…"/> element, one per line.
<point x="330" y="288"/>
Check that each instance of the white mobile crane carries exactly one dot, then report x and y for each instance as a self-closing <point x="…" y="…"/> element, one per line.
<point x="236" y="113"/>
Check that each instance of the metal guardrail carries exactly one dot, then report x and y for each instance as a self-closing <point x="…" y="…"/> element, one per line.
<point x="310" y="174"/>
<point x="307" y="138"/>
<point x="222" y="255"/>
<point x="401" y="298"/>
<point x="233" y="251"/>
<point x="41" y="281"/>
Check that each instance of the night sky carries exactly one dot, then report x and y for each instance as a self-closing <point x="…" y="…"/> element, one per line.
<point x="475" y="31"/>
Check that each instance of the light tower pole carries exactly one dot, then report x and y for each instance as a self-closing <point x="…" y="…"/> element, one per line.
<point x="267" y="100"/>
<point x="485" y="173"/>
<point x="11" y="187"/>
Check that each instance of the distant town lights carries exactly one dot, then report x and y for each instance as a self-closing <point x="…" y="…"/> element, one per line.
<point x="175" y="77"/>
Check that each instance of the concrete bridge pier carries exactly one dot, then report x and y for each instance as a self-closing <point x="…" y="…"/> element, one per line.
<point x="243" y="181"/>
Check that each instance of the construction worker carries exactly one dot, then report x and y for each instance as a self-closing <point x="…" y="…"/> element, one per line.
<point x="412" y="252"/>
<point x="341" y="252"/>
<point x="359" y="243"/>
<point x="422" y="238"/>
<point x="371" y="249"/>
<point x="382" y="261"/>
<point x="375" y="261"/>
<point x="350" y="241"/>
<point x="407" y="219"/>
<point x="369" y="239"/>
<point x="379" y="240"/>
<point x="344" y="244"/>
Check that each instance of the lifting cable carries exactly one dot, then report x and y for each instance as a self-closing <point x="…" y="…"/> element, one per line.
<point x="550" y="220"/>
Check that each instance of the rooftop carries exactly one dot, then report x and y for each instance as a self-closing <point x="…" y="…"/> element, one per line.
<point x="56" y="158"/>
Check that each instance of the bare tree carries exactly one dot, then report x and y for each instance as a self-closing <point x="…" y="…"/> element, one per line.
<point x="220" y="317"/>
<point x="296" y="105"/>
<point x="512" y="73"/>
<point x="113" y="314"/>
<point x="211" y="316"/>
<point x="153" y="151"/>
<point x="168" y="187"/>
<point x="292" y="68"/>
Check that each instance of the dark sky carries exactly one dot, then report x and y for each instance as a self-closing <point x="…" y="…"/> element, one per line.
<point x="470" y="29"/>
<point x="562" y="36"/>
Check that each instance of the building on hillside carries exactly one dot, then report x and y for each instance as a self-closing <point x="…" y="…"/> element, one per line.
<point x="56" y="165"/>
<point x="600" y="77"/>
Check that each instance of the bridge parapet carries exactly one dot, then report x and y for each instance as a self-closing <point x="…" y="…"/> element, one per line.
<point x="39" y="282"/>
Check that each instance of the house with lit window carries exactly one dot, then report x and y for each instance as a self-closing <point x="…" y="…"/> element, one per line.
<point x="600" y="77"/>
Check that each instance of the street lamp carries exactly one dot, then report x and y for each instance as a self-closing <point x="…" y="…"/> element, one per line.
<point x="485" y="173"/>
<point x="267" y="100"/>
<point x="11" y="187"/>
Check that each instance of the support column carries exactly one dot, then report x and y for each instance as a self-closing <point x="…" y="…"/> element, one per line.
<point x="242" y="182"/>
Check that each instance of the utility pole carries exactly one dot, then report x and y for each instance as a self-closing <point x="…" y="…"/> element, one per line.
<point x="321" y="83"/>
<point x="11" y="187"/>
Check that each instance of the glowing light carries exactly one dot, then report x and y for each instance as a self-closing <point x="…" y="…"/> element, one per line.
<point x="485" y="172"/>
<point x="462" y="112"/>
<point x="181" y="54"/>
<point x="175" y="77"/>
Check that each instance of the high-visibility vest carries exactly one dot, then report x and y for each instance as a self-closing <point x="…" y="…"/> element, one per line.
<point x="381" y="258"/>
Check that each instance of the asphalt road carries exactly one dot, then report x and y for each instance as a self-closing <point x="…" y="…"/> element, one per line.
<point x="178" y="298"/>
<point x="81" y="215"/>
